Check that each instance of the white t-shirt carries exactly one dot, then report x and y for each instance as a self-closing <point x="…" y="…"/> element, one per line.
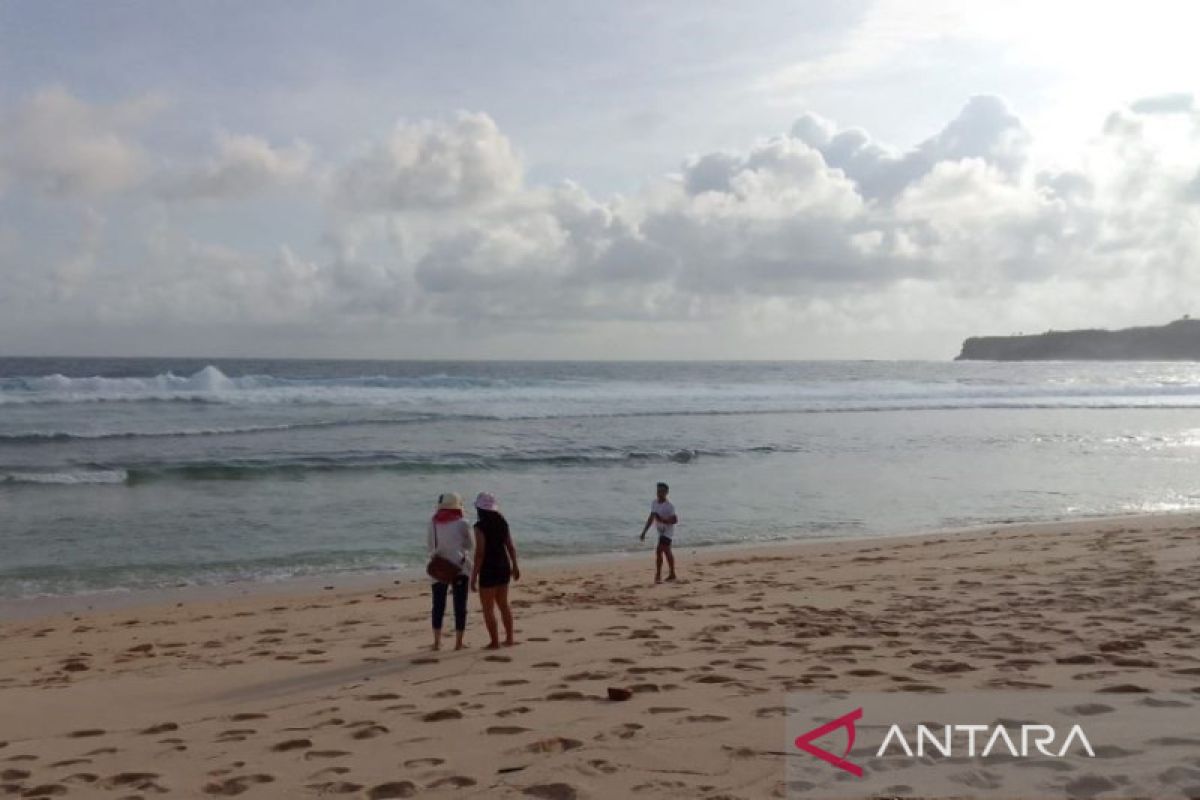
<point x="453" y="540"/>
<point x="664" y="509"/>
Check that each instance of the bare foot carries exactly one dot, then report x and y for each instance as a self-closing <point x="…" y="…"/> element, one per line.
<point x="461" y="645"/>
<point x="436" y="647"/>
<point x="493" y="646"/>
<point x="509" y="642"/>
<point x="671" y="577"/>
<point x="657" y="579"/>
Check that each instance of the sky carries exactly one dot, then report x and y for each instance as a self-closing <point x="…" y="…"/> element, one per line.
<point x="577" y="180"/>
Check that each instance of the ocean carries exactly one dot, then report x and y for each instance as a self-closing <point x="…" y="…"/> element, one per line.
<point x="126" y="474"/>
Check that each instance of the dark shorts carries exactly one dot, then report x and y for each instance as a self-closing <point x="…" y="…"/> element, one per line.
<point x="497" y="576"/>
<point x="664" y="541"/>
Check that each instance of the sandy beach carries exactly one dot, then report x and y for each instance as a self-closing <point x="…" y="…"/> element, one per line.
<point x="334" y="693"/>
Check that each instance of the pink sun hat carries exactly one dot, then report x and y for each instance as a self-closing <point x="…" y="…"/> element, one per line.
<point x="486" y="501"/>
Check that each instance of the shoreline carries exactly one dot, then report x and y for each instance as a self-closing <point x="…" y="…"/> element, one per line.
<point x="112" y="600"/>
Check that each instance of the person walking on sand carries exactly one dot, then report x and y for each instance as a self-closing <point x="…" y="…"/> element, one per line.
<point x="449" y="538"/>
<point x="495" y="564"/>
<point x="663" y="518"/>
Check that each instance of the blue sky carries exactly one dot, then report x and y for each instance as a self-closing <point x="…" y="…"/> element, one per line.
<point x="520" y="179"/>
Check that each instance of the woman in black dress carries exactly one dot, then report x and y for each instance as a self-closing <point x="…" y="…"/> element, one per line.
<point x="495" y="565"/>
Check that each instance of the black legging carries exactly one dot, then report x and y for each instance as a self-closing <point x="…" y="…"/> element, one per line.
<point x="460" y="603"/>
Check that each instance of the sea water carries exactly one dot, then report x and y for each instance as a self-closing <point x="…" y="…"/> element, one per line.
<point x="140" y="473"/>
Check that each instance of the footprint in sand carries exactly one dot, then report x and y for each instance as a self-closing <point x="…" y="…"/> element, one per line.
<point x="447" y="693"/>
<point x="552" y="791"/>
<point x="942" y="667"/>
<point x="328" y="772"/>
<point x="1144" y="663"/>
<point x="771" y="711"/>
<point x="163" y="728"/>
<point x="509" y="712"/>
<point x="81" y="777"/>
<point x="311" y="754"/>
<point x="626" y="731"/>
<point x="335" y="787"/>
<point x="235" y="735"/>
<point x="442" y="714"/>
<point x="713" y="678"/>
<point x="84" y="734"/>
<point x="555" y="744"/>
<point x="453" y="782"/>
<point x="505" y="730"/>
<point x="375" y="698"/>
<point x="1153" y="702"/>
<point x="588" y="676"/>
<point x="370" y="731"/>
<point x="45" y="790"/>
<point x="412" y="763"/>
<point x="706" y="718"/>
<point x="1082" y="658"/>
<point x="14" y="774"/>
<point x="237" y="785"/>
<point x="246" y="716"/>
<point x="141" y="781"/>
<point x="292" y="744"/>
<point x="510" y="682"/>
<point x="387" y="791"/>
<point x="70" y="762"/>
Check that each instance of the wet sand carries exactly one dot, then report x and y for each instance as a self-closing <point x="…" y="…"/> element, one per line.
<point x="332" y="692"/>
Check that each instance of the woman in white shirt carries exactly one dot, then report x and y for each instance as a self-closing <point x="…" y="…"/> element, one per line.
<point x="449" y="536"/>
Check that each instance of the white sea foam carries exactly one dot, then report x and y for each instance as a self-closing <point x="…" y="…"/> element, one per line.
<point x="441" y="394"/>
<point x="67" y="478"/>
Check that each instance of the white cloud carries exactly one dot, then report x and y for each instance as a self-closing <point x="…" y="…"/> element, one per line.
<point x="985" y="129"/>
<point x="820" y="230"/>
<point x="430" y="165"/>
<point x="1174" y="103"/>
<point x="58" y="145"/>
<point x="243" y="165"/>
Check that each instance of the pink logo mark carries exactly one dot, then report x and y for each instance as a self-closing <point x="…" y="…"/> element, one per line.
<point x="804" y="742"/>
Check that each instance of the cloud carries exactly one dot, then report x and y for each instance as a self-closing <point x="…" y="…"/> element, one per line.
<point x="243" y="166"/>
<point x="819" y="228"/>
<point x="56" y="144"/>
<point x="557" y="254"/>
<point x="431" y="165"/>
<point x="984" y="129"/>
<point x="824" y="215"/>
<point x="1177" y="103"/>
